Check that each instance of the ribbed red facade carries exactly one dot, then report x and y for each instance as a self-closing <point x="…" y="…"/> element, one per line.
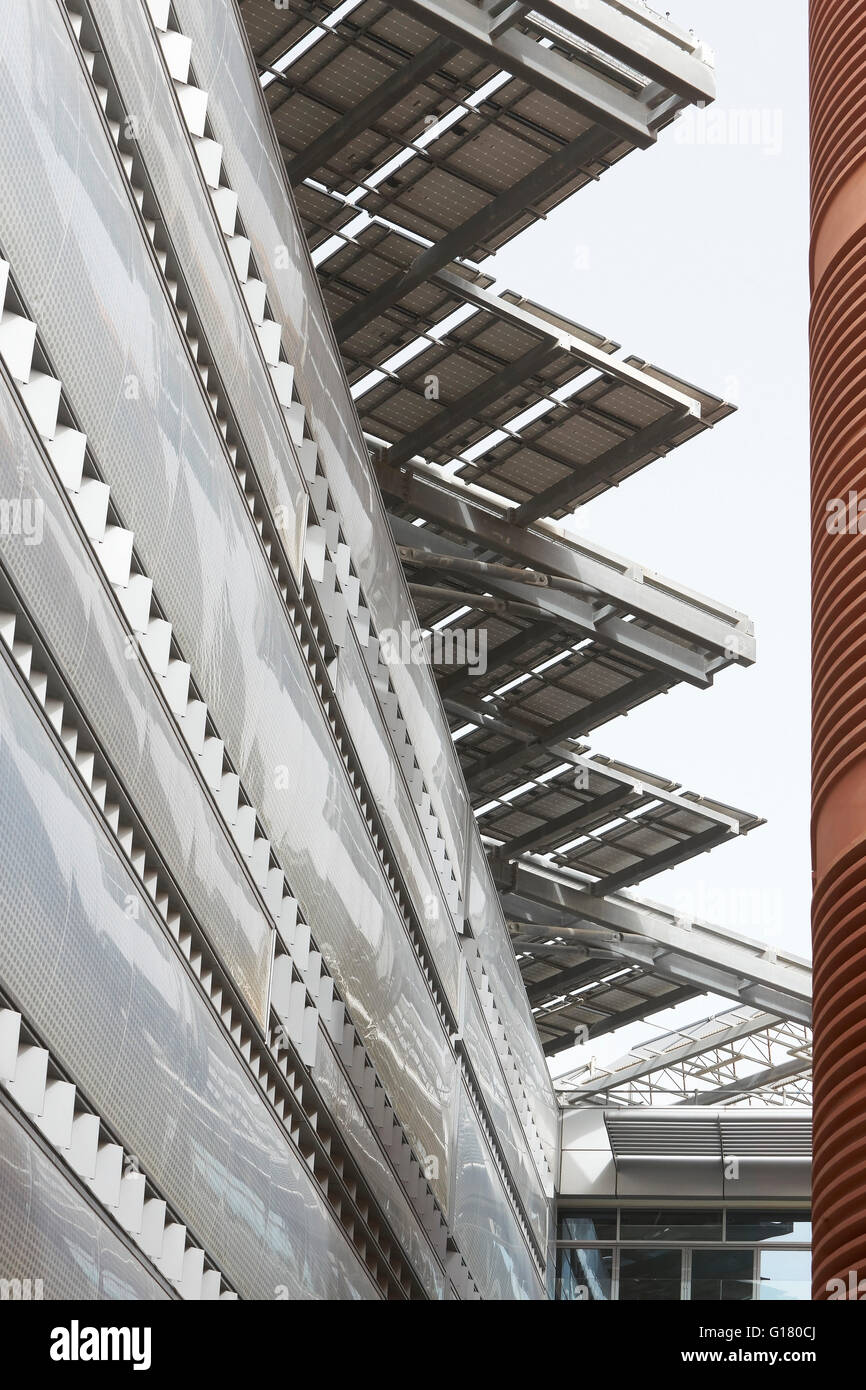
<point x="838" y="345"/>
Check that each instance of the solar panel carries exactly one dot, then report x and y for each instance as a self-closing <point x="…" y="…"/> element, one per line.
<point x="374" y="80"/>
<point x="514" y="397"/>
<point x="461" y="123"/>
<point x="612" y="825"/>
<point x="576" y="996"/>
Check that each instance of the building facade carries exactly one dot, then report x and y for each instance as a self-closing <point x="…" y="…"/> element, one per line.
<point x="684" y="1203"/>
<point x="298" y="895"/>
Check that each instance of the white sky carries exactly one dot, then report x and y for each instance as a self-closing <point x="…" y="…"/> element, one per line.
<point x="694" y="256"/>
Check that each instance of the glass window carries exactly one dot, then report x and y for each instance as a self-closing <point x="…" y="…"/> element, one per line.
<point x="671" y="1225"/>
<point x="587" y="1225"/>
<point x="786" y="1274"/>
<point x="650" y="1275"/>
<point x="763" y="1227"/>
<point x="723" y="1275"/>
<point x="585" y="1275"/>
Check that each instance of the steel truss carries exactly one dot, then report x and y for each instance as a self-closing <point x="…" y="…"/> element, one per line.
<point x="743" y="1057"/>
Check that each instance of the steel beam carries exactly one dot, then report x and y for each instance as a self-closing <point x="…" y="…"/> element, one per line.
<point x="582" y="618"/>
<point x="577" y="86"/>
<point x="758" y="1081"/>
<point x="497" y="213"/>
<point x="633" y="590"/>
<point x="705" y="957"/>
<point x="618" y="1075"/>
<point x="640" y="39"/>
<point x="483" y="603"/>
<point x="484" y="719"/>
<point x="411" y="73"/>
<point x="628" y="451"/>
<point x="429" y="559"/>
<point x="503" y="15"/>
<point x="420" y="440"/>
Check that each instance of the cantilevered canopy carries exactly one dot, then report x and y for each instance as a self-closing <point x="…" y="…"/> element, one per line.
<point x="574" y="636"/>
<point x="615" y="824"/>
<point x="419" y="137"/>
<point x="580" y="990"/>
<point x="532" y="406"/>
<point x="465" y="122"/>
<point x="592" y="964"/>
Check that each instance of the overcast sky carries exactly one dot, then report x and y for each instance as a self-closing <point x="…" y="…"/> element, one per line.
<point x="693" y="255"/>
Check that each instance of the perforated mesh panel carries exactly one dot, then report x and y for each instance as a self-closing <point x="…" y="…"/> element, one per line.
<point x="85" y="957"/>
<point x="50" y="1233"/>
<point x="61" y="587"/>
<point x="490" y="1239"/>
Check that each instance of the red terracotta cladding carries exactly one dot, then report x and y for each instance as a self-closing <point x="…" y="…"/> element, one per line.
<point x="838" y="347"/>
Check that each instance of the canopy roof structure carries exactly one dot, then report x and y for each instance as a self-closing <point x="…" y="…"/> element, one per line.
<point x="506" y="393"/>
<point x="615" y="824"/>
<point x="568" y="586"/>
<point x="593" y="964"/>
<point x="743" y="1057"/>
<point x="419" y="137"/>
<point x="463" y="122"/>
<point x="573" y="635"/>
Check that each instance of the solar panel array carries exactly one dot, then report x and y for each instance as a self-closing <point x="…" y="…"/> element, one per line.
<point x="419" y="137"/>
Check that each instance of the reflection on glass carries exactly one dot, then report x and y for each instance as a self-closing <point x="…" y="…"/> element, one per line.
<point x="786" y="1274"/>
<point x="722" y="1275"/>
<point x="650" y="1276"/>
<point x="585" y="1275"/>
<point x="671" y="1225"/>
<point x="764" y="1227"/>
<point x="587" y="1225"/>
